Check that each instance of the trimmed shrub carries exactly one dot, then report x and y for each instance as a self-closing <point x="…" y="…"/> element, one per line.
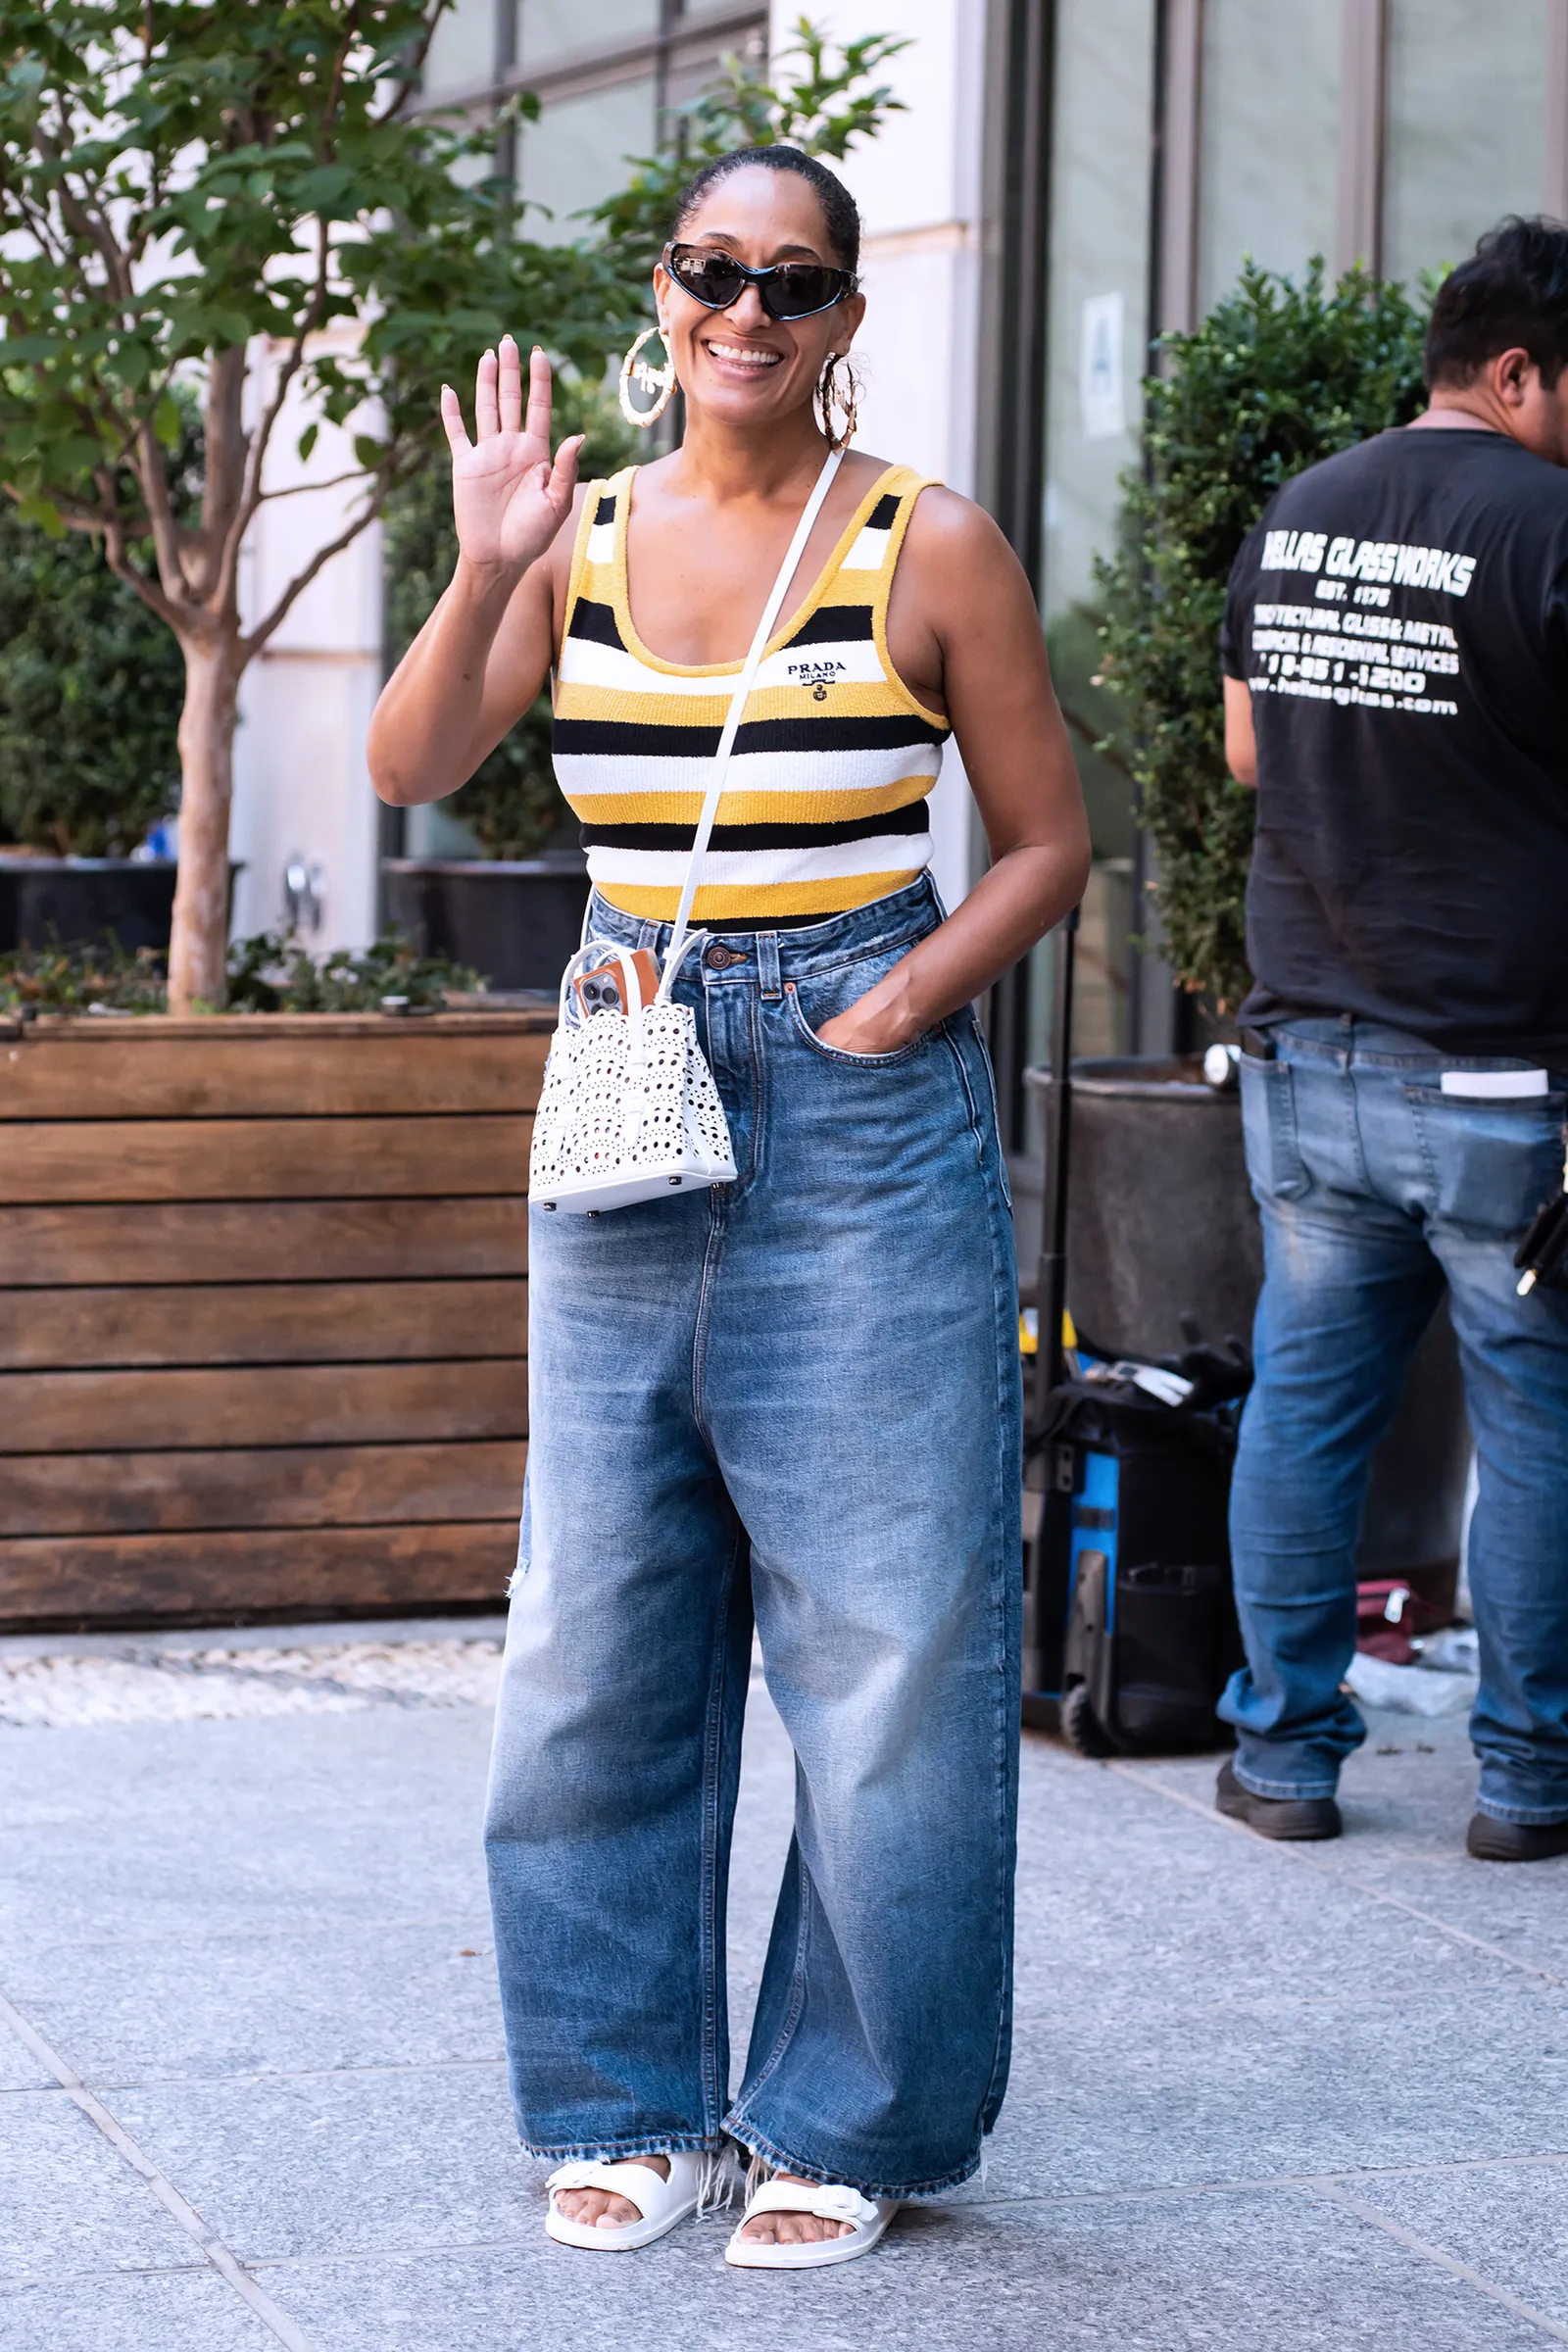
<point x="1277" y="377"/>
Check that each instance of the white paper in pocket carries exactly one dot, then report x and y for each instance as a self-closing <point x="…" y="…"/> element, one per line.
<point x="1493" y="1086"/>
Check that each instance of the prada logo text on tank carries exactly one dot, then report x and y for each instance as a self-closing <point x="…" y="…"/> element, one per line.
<point x="818" y="675"/>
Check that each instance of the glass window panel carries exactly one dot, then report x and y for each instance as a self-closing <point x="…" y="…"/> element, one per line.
<point x="1097" y="350"/>
<point x="550" y="28"/>
<point x="575" y="154"/>
<point x="1270" y="125"/>
<point x="1466" y="125"/>
<point x="1098" y="331"/>
<point x="462" y="55"/>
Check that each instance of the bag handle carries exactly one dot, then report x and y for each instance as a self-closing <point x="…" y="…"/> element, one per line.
<point x="738" y="702"/>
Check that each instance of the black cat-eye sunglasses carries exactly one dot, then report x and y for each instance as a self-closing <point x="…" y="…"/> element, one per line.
<point x="789" y="290"/>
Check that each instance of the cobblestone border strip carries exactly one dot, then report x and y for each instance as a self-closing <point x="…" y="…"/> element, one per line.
<point x="164" y="2189"/>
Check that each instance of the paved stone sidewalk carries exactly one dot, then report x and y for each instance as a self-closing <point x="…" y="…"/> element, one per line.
<point x="250" y="2088"/>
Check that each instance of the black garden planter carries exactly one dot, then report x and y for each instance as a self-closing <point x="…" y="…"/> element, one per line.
<point x="514" y="921"/>
<point x="1161" y="1223"/>
<point x="86" y="901"/>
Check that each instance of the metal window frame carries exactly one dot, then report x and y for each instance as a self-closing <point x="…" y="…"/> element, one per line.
<point x="1555" y="156"/>
<point x="680" y="36"/>
<point x="1358" y="232"/>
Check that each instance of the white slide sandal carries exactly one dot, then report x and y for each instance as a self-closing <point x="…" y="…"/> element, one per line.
<point x="835" y="2203"/>
<point x="660" y="2204"/>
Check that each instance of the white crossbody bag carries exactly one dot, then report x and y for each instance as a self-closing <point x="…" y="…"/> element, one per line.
<point x="629" y="1110"/>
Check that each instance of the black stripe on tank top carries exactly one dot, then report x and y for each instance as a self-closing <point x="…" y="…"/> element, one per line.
<point x="834" y="624"/>
<point x="915" y="818"/>
<point x="884" y="515"/>
<point x="597" y="624"/>
<point x="605" y="511"/>
<point x="643" y="739"/>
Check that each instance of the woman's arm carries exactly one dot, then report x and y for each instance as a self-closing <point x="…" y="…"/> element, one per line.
<point x="964" y="586"/>
<point x="484" y="653"/>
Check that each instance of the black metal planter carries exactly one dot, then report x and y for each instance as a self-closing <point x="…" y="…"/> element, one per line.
<point x="86" y="901"/>
<point x="1161" y="1223"/>
<point x="514" y="921"/>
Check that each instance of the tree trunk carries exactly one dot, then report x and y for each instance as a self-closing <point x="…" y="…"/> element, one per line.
<point x="198" y="950"/>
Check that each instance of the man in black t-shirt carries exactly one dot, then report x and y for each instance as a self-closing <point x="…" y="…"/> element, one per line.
<point x="1396" y="658"/>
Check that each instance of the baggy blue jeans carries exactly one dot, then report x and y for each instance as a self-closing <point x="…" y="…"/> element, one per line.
<point x="796" y="1395"/>
<point x="1377" y="1189"/>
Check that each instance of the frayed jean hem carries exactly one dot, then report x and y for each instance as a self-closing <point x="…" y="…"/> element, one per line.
<point x="779" y="2160"/>
<point x="623" y="2151"/>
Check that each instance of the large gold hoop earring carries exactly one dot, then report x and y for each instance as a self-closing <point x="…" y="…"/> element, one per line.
<point x="831" y="395"/>
<point x="634" y="369"/>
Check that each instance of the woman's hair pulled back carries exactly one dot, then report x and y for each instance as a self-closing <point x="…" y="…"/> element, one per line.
<point x="841" y="214"/>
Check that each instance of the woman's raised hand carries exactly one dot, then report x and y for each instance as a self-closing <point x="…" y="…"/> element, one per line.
<point x="507" y="499"/>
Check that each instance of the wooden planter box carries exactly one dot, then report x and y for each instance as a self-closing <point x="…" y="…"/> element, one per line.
<point x="263" y="1313"/>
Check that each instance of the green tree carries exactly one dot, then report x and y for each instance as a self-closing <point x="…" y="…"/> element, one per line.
<point x="242" y="201"/>
<point x="1277" y="377"/>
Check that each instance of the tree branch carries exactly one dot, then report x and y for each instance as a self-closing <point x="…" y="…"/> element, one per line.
<point x="409" y="85"/>
<point x="251" y="645"/>
<point x="250" y="497"/>
<point x="111" y="525"/>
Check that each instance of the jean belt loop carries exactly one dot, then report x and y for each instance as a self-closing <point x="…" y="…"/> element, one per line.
<point x="647" y="933"/>
<point x="767" y="963"/>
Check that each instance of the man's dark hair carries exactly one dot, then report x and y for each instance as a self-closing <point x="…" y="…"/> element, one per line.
<point x="1512" y="294"/>
<point x="840" y="213"/>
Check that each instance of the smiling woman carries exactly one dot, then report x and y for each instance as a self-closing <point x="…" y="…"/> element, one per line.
<point x="794" y="1394"/>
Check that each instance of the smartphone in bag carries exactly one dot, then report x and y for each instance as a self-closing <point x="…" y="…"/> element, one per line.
<point x="604" y="989"/>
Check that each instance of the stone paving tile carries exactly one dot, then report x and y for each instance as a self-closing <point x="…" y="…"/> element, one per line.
<point x="1237" y="2273"/>
<point x="205" y="2007"/>
<point x="1251" y="2092"/>
<point x="336" y="2163"/>
<point x="69" y="2203"/>
<point x="1508" y="2222"/>
<point x="266" y="1773"/>
<point x="172" y="2312"/>
<point x="18" y="2069"/>
<point x="1126" y="1899"/>
<point x="129" y="1880"/>
<point x="1406" y="1817"/>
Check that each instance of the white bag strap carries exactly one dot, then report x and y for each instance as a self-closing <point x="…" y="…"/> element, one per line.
<point x="742" y="695"/>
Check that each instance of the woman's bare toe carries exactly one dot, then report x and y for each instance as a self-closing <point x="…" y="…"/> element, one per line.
<point x="793" y="2229"/>
<point x="598" y="2208"/>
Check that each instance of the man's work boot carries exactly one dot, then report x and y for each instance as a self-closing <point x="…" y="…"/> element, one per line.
<point x="1492" y="1841"/>
<point x="1298" y="1816"/>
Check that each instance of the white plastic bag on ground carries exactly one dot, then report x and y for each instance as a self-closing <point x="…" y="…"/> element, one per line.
<point x="1409" y="1690"/>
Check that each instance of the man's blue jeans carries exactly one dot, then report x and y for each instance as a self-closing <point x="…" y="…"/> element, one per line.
<point x="1376" y="1189"/>
<point x="798" y="1396"/>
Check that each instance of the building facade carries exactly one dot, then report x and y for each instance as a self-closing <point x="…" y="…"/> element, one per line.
<point x="1072" y="178"/>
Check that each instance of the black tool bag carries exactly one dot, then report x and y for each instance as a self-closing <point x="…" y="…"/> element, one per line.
<point x="1130" y="1621"/>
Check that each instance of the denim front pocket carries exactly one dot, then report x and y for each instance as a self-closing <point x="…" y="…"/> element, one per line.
<point x="833" y="992"/>
<point x="1274" y="1160"/>
<point x="1491" y="1163"/>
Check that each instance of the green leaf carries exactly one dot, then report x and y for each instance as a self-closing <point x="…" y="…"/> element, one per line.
<point x="308" y="440"/>
<point x="368" y="452"/>
<point x="167" y="421"/>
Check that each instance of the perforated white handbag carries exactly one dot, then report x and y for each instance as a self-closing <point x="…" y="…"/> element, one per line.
<point x="629" y="1110"/>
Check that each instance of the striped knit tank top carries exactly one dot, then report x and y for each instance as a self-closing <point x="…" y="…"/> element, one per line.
<point x="824" y="803"/>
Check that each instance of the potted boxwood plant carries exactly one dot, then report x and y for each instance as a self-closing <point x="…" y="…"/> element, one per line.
<point x="91" y="691"/>
<point x="1279" y="377"/>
